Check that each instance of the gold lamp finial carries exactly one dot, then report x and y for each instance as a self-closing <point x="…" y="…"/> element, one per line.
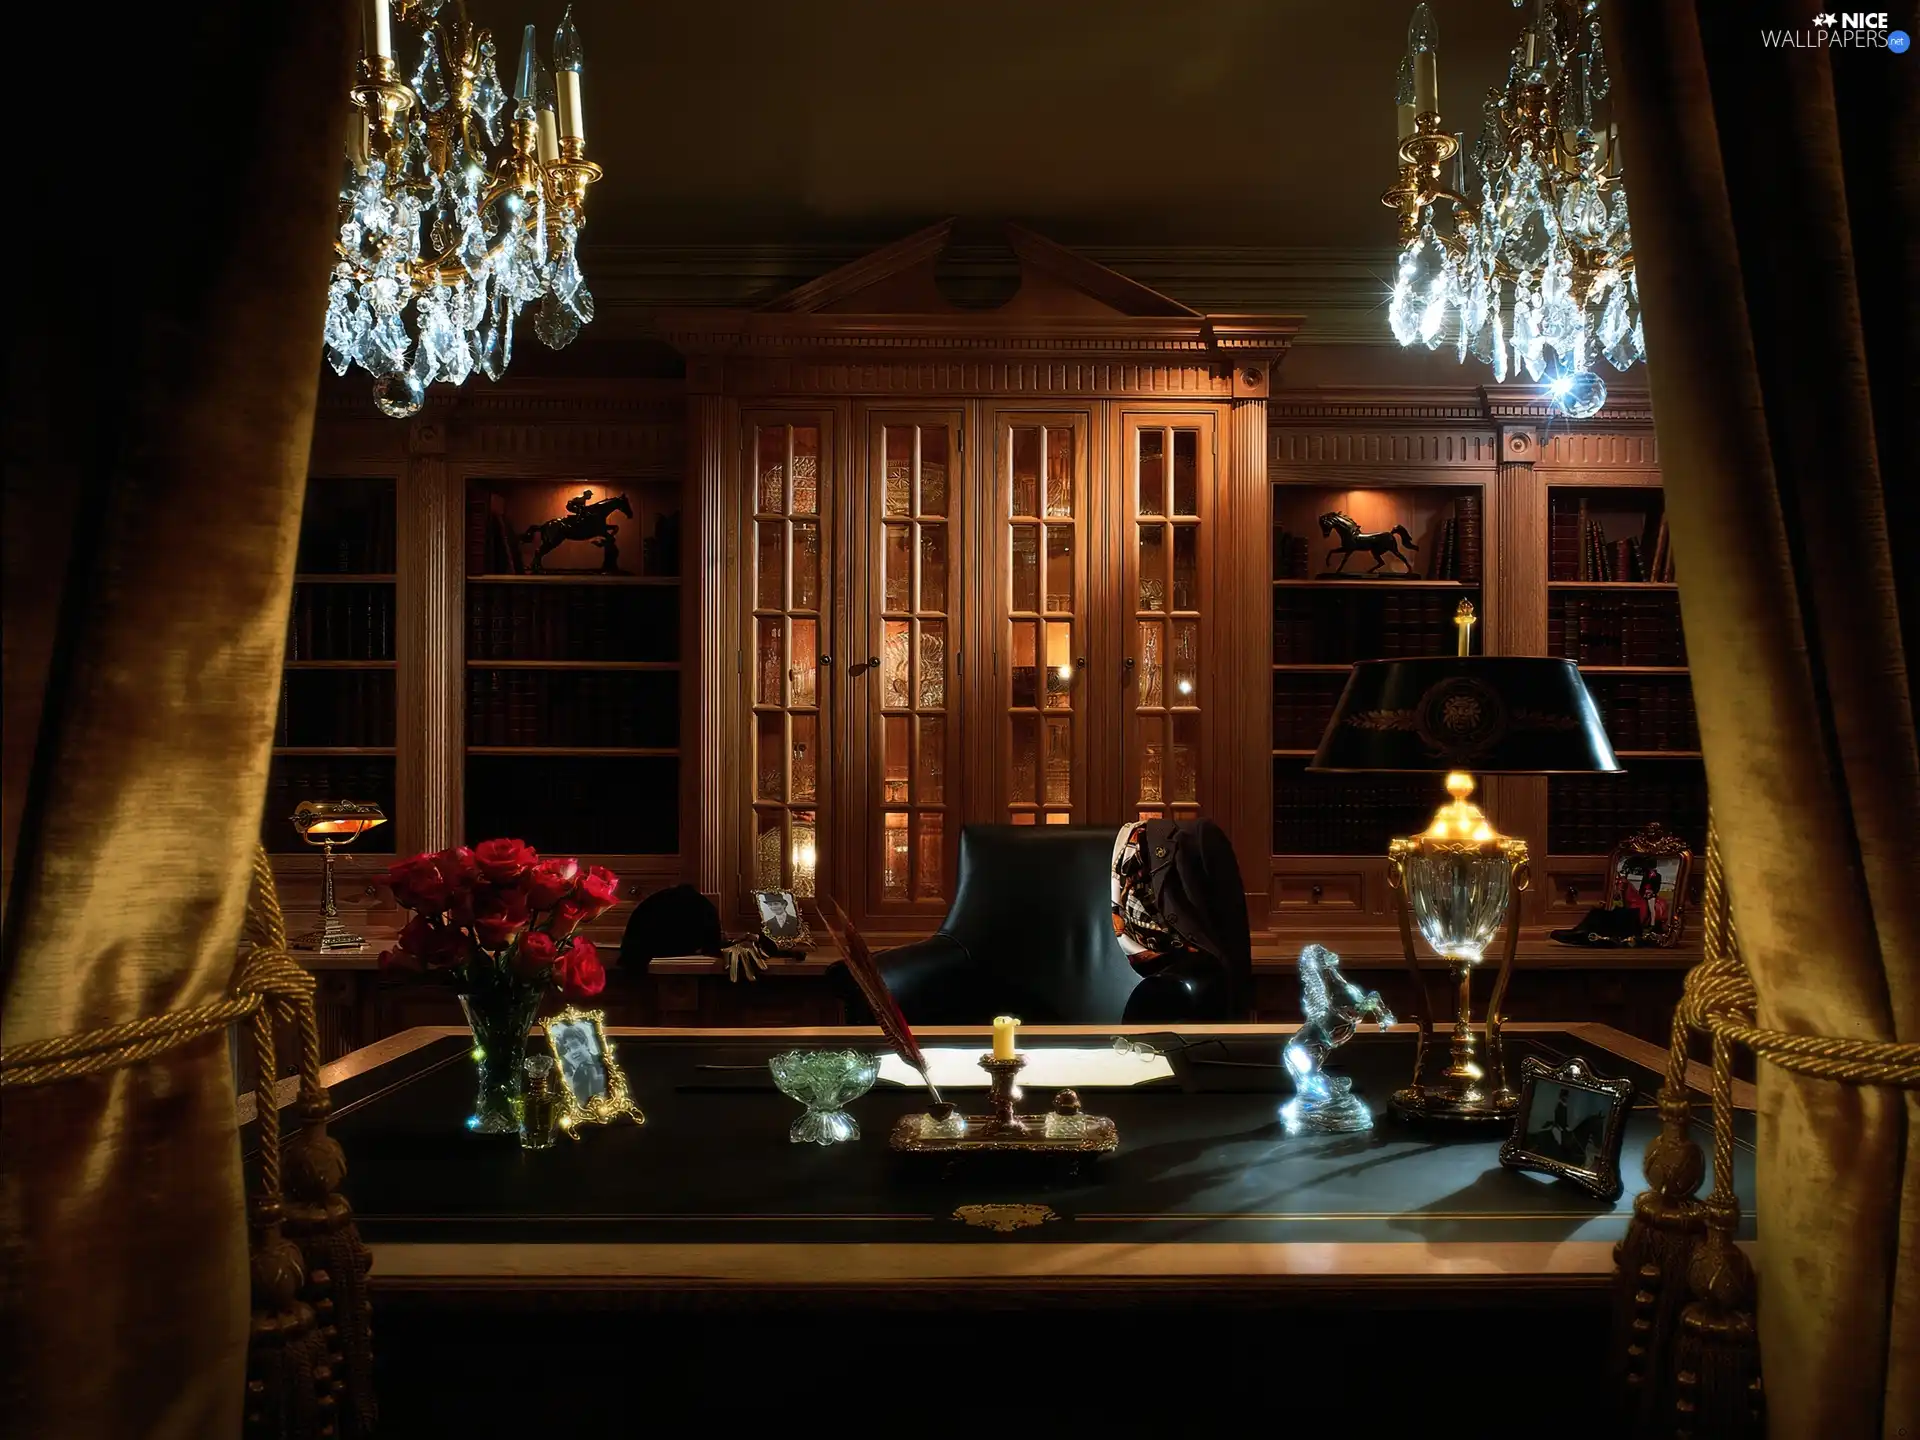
<point x="1463" y="622"/>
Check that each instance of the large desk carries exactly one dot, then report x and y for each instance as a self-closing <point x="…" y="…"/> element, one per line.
<point x="703" y="1265"/>
<point x="1206" y="1192"/>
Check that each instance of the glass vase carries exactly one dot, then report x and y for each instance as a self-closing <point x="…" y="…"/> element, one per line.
<point x="500" y="1021"/>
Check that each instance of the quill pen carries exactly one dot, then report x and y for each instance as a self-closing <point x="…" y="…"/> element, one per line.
<point x="873" y="988"/>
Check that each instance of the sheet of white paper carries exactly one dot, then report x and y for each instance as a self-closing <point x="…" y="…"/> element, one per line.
<point x="1048" y="1069"/>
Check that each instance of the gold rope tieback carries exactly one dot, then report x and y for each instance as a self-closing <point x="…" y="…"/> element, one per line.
<point x="267" y="973"/>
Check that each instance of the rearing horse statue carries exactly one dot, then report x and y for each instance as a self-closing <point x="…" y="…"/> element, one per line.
<point x="582" y="521"/>
<point x="1377" y="543"/>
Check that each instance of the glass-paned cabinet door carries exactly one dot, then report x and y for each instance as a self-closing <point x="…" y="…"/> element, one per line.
<point x="788" y="465"/>
<point x="1167" y="576"/>
<point x="1040" y="510"/>
<point x="908" y="682"/>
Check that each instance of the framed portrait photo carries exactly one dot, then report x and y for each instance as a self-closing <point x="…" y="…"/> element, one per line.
<point x="780" y="919"/>
<point x="1647" y="876"/>
<point x="1569" y="1125"/>
<point x="592" y="1082"/>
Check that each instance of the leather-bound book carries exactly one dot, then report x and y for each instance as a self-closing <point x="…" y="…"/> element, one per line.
<point x="1466" y="548"/>
<point x="477" y="509"/>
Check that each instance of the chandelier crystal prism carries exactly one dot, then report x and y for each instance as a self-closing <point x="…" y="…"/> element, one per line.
<point x="459" y="207"/>
<point x="1533" y="272"/>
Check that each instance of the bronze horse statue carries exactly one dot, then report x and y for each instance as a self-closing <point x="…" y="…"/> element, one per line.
<point x="1377" y="543"/>
<point x="583" y="521"/>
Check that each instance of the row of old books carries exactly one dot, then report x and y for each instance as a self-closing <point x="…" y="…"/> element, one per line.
<point x="1302" y="706"/>
<point x="347" y="528"/>
<point x="574" y="709"/>
<point x="1456" y="546"/>
<point x="341" y="622"/>
<point x="1590" y="814"/>
<point x="335" y="707"/>
<point x="589" y="805"/>
<point x="1344" y="814"/>
<point x="1646" y="713"/>
<point x="293" y="778"/>
<point x="1328" y="627"/>
<point x="1578" y="547"/>
<point x="573" y="622"/>
<point x="1610" y="629"/>
<point x="1292" y="555"/>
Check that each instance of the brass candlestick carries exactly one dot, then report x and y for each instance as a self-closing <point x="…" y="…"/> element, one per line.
<point x="1004" y="1094"/>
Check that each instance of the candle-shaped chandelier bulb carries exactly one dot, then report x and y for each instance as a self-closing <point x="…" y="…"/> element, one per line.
<point x="376" y="31"/>
<point x="526" y="76"/>
<point x="544" y="113"/>
<point x="1403" y="96"/>
<point x="567" y="62"/>
<point x="1423" y="41"/>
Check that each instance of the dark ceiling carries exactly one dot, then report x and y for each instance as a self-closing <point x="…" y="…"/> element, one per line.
<point x="1155" y="122"/>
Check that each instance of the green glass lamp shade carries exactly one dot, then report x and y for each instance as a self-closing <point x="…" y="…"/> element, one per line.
<point x="1489" y="714"/>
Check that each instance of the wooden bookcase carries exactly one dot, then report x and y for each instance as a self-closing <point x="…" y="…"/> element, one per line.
<point x="573" y="676"/>
<point x="335" y="733"/>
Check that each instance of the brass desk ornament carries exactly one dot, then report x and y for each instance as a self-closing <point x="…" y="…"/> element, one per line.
<point x="1006" y="1131"/>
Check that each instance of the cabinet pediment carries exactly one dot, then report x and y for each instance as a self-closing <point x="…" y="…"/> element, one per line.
<point x="1063" y="304"/>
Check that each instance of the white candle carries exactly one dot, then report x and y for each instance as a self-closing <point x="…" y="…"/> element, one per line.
<point x="549" y="137"/>
<point x="1426" y="82"/>
<point x="1004" y="1027"/>
<point x="573" y="120"/>
<point x="379" y="32"/>
<point x="1407" y="115"/>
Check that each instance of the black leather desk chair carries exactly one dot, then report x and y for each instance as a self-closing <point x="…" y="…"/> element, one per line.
<point x="1030" y="933"/>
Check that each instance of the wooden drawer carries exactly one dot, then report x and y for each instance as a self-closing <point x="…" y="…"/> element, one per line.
<point x="1337" y="891"/>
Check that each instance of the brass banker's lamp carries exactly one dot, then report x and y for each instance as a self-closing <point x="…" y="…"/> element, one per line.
<point x="1458" y="879"/>
<point x="325" y="824"/>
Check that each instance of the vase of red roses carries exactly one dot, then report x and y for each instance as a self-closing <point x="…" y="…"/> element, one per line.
<point x="498" y="925"/>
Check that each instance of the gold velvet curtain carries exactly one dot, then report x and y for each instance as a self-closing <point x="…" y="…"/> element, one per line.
<point x="1774" y="214"/>
<point x="163" y="353"/>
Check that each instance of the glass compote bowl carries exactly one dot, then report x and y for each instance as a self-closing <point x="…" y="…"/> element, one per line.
<point x="824" y="1081"/>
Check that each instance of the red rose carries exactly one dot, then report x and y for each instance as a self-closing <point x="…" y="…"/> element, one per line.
<point x="551" y="882"/>
<point x="580" y="972"/>
<point x="392" y="960"/>
<point x="425" y="943"/>
<point x="457" y="869"/>
<point x="599" y="889"/>
<point x="534" y="957"/>
<point x="566" y="917"/>
<point x="504" y="861"/>
<point x="418" y="884"/>
<point x="498" y="916"/>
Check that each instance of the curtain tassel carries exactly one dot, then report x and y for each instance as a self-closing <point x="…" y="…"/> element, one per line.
<point x="320" y="1221"/>
<point x="288" y="1382"/>
<point x="1717" y="1389"/>
<point x="1651" y="1262"/>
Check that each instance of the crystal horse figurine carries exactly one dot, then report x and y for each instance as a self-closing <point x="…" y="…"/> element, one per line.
<point x="1335" y="1008"/>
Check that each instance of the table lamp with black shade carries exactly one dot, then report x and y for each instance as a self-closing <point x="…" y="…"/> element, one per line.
<point x="1459" y="878"/>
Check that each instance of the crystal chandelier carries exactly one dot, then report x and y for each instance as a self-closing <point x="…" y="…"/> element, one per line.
<point x="446" y="231"/>
<point x="1535" y="272"/>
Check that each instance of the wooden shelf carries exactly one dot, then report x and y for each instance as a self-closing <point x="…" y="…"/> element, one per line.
<point x="610" y="751"/>
<point x="1302" y="754"/>
<point x="1357" y="580"/>
<point x="1632" y="669"/>
<point x="557" y="578"/>
<point x="661" y="665"/>
<point x="1657" y="754"/>
<point x="334" y="750"/>
<point x="340" y="665"/>
<point x="1305" y="669"/>
<point x="331" y="578"/>
<point x="1612" y="585"/>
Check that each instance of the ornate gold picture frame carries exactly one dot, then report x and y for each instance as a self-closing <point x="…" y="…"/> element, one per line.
<point x="592" y="1085"/>
<point x="1648" y="873"/>
<point x="1569" y="1125"/>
